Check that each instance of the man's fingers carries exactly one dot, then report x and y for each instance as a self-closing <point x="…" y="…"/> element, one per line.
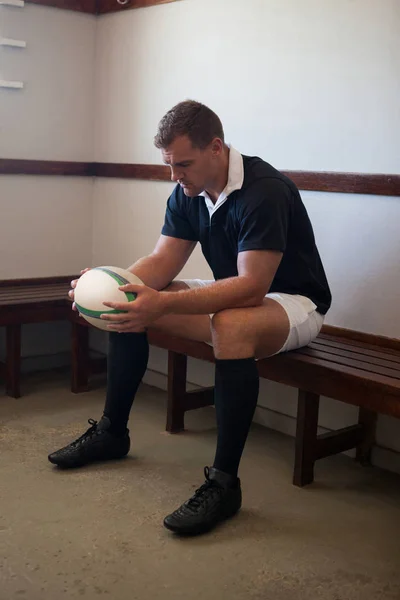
<point x="73" y="286"/>
<point x="125" y="306"/>
<point x="116" y="318"/>
<point x="131" y="287"/>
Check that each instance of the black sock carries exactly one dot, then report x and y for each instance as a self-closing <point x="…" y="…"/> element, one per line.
<point x="128" y="355"/>
<point x="236" y="394"/>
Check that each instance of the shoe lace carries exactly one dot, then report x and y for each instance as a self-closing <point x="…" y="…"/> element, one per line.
<point x="206" y="492"/>
<point x="88" y="434"/>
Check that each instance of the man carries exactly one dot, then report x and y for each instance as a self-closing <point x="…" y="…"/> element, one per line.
<point x="269" y="295"/>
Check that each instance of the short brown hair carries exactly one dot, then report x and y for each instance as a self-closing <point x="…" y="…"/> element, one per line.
<point x="190" y="118"/>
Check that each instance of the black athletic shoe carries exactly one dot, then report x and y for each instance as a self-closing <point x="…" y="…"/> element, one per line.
<point x="219" y="498"/>
<point x="96" y="444"/>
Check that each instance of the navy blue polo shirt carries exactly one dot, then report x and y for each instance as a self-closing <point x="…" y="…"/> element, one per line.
<point x="266" y="213"/>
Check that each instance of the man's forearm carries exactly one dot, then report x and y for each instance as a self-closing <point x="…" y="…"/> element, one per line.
<point x="153" y="271"/>
<point x="235" y="292"/>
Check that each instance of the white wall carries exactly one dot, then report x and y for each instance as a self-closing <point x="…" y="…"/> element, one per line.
<point x="52" y="118"/>
<point x="46" y="222"/>
<point x="309" y="85"/>
<point x="306" y="85"/>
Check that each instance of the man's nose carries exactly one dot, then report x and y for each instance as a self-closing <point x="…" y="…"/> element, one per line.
<point x="175" y="176"/>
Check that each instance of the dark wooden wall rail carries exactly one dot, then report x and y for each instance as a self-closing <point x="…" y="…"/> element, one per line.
<point x="348" y="183"/>
<point x="99" y="7"/>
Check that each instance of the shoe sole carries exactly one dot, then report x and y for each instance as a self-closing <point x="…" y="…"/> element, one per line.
<point x="199" y="530"/>
<point x="77" y="465"/>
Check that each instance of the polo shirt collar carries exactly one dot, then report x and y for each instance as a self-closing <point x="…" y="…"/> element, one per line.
<point x="235" y="181"/>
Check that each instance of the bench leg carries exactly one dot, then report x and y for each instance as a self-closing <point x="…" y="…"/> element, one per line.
<point x="13" y="360"/>
<point x="177" y="367"/>
<point x="368" y="420"/>
<point x="79" y="358"/>
<point x="306" y="438"/>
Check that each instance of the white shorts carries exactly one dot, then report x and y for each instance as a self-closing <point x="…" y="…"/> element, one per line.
<point x="305" y="321"/>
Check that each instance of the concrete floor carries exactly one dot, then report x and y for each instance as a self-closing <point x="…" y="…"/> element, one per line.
<point x="97" y="532"/>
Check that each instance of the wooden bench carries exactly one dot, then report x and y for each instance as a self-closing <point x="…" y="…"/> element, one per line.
<point x="352" y="367"/>
<point x="38" y="300"/>
<point x="28" y="301"/>
<point x="340" y="364"/>
<point x="345" y="365"/>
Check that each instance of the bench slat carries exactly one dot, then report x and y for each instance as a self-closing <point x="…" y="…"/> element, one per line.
<point x="382" y="359"/>
<point x="341" y="359"/>
<point x="27" y="297"/>
<point x="371" y="339"/>
<point x="322" y="344"/>
<point x="27" y="282"/>
<point x="9" y="298"/>
<point x="7" y="293"/>
<point x="357" y="344"/>
<point x="21" y="291"/>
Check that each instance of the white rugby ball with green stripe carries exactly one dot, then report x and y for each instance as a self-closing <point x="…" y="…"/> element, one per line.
<point x="101" y="285"/>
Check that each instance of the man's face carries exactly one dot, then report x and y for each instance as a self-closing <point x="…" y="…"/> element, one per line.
<point x="192" y="168"/>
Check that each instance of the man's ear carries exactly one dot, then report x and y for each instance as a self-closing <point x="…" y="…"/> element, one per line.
<point x="217" y="147"/>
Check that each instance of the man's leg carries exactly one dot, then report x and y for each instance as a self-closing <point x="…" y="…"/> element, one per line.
<point x="128" y="355"/>
<point x="109" y="438"/>
<point x="239" y="336"/>
<point x="126" y="365"/>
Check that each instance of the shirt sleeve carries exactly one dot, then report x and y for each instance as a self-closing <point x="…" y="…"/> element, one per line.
<point x="176" y="222"/>
<point x="265" y="217"/>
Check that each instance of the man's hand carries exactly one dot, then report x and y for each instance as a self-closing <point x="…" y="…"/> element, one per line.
<point x="71" y="292"/>
<point x="140" y="313"/>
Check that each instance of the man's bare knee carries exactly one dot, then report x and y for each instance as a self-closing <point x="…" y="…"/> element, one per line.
<point x="223" y="320"/>
<point x="231" y="338"/>
<point x="229" y="324"/>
